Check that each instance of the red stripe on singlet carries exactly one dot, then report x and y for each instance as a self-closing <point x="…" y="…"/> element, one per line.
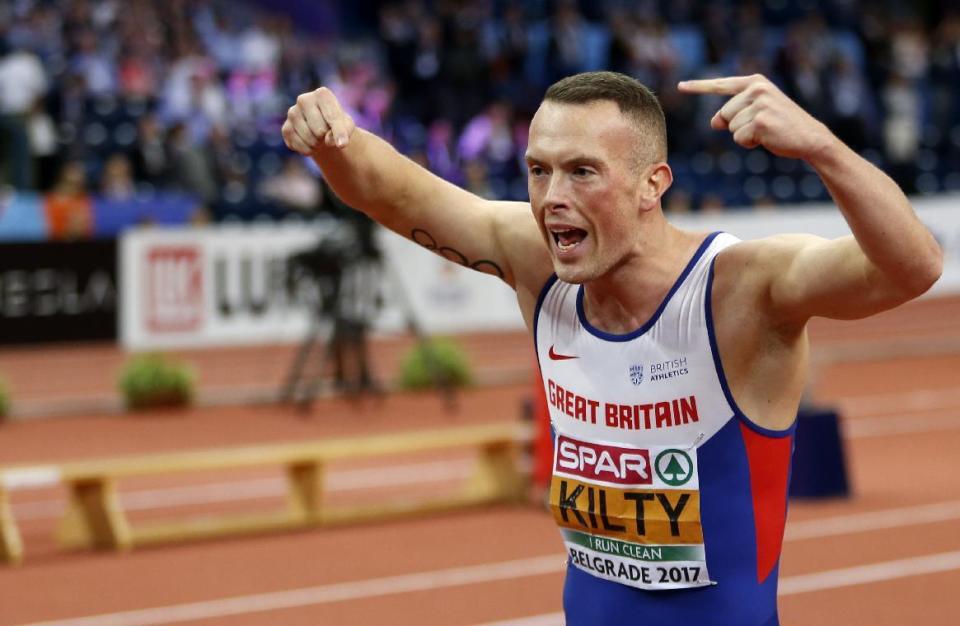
<point x="769" y="461"/>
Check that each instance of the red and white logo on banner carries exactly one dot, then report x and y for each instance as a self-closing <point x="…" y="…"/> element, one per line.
<point x="173" y="288"/>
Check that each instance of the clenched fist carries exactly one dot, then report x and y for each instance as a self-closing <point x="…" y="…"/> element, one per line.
<point x="759" y="114"/>
<point x="317" y="118"/>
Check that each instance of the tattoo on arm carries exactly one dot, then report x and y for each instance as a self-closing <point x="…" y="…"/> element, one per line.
<point x="425" y="239"/>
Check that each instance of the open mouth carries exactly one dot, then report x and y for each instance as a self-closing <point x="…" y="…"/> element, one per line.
<point x="569" y="238"/>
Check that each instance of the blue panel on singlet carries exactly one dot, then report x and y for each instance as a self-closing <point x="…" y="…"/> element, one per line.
<point x="726" y="511"/>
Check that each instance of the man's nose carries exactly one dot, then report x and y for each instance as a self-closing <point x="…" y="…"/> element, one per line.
<point x="556" y="196"/>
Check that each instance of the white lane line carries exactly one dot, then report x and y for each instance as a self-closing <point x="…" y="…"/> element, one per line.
<point x="345" y="480"/>
<point x="867" y="427"/>
<point x="873" y="520"/>
<point x="546" y="619"/>
<point x="885" y="404"/>
<point x="490" y="572"/>
<point x="872" y="573"/>
<point x="323" y="594"/>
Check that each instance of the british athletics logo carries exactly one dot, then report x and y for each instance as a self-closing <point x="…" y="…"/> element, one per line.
<point x="636" y="374"/>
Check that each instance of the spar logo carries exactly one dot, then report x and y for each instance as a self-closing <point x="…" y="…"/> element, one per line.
<point x="173" y="288"/>
<point x="597" y="462"/>
<point x="674" y="467"/>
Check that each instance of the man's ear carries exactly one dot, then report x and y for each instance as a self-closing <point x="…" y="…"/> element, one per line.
<point x="657" y="178"/>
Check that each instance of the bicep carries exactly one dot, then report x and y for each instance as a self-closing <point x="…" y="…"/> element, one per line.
<point x="812" y="276"/>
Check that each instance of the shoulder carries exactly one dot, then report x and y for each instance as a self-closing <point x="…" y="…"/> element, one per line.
<point x="761" y="259"/>
<point x="750" y="273"/>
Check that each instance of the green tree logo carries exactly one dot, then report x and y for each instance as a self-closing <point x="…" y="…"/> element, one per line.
<point x="674" y="467"/>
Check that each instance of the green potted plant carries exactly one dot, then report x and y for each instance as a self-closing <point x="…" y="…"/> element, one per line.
<point x="153" y="381"/>
<point x="435" y="362"/>
<point x="4" y="400"/>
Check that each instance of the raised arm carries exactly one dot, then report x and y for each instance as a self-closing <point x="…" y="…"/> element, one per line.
<point x="370" y="175"/>
<point x="891" y="258"/>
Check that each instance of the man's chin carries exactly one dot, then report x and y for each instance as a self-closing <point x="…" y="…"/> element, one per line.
<point x="572" y="274"/>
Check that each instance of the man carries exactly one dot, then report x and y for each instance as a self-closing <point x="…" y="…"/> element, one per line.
<point x="673" y="361"/>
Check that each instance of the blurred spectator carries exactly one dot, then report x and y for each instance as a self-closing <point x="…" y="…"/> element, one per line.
<point x="849" y="103"/>
<point x="440" y="154"/>
<point x="945" y="76"/>
<point x="477" y="181"/>
<point x="150" y="159"/>
<point x="97" y="69"/>
<point x="489" y="136"/>
<point x="909" y="50"/>
<point x="191" y="170"/>
<point x="802" y="62"/>
<point x="421" y="91"/>
<point x="643" y="49"/>
<point x="222" y="155"/>
<point x="901" y="129"/>
<point x="69" y="214"/>
<point x="44" y="147"/>
<point x="207" y="82"/>
<point x="567" y="46"/>
<point x="293" y="187"/>
<point x="137" y="74"/>
<point x="116" y="181"/>
<point x="191" y="97"/>
<point x="23" y="81"/>
<point x="259" y="46"/>
<point x="507" y="46"/>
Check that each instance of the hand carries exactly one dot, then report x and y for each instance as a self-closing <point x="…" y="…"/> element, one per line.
<point x="317" y="119"/>
<point x="759" y="114"/>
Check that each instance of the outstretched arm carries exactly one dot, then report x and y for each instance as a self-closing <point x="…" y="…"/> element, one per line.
<point x="368" y="174"/>
<point x="891" y="258"/>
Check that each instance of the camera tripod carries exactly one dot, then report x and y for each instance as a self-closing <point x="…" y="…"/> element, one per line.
<point x="335" y="329"/>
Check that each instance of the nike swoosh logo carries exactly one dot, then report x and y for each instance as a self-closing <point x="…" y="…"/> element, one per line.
<point x="559" y="357"/>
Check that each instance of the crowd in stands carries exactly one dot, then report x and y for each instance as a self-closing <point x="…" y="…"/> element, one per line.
<point x="127" y="98"/>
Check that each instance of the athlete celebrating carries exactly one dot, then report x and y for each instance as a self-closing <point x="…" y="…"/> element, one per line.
<point x="673" y="361"/>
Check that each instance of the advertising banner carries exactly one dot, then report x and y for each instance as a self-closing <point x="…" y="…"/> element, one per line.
<point x="196" y="287"/>
<point x="232" y="285"/>
<point x="58" y="291"/>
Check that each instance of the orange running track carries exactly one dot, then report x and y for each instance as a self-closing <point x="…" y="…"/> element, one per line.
<point x="889" y="555"/>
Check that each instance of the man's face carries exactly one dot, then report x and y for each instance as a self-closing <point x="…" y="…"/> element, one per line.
<point x="585" y="180"/>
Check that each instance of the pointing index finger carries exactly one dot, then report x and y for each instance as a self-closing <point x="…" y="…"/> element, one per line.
<point x="728" y="86"/>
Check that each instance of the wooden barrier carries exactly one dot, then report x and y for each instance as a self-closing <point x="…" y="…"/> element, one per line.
<point x="11" y="547"/>
<point x="95" y="517"/>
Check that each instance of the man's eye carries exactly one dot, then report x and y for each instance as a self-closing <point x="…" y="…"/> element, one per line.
<point x="536" y="170"/>
<point x="581" y="171"/>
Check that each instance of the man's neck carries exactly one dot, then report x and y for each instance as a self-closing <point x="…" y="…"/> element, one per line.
<point x="626" y="297"/>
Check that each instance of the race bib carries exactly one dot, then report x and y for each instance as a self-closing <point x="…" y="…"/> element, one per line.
<point x="630" y="515"/>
